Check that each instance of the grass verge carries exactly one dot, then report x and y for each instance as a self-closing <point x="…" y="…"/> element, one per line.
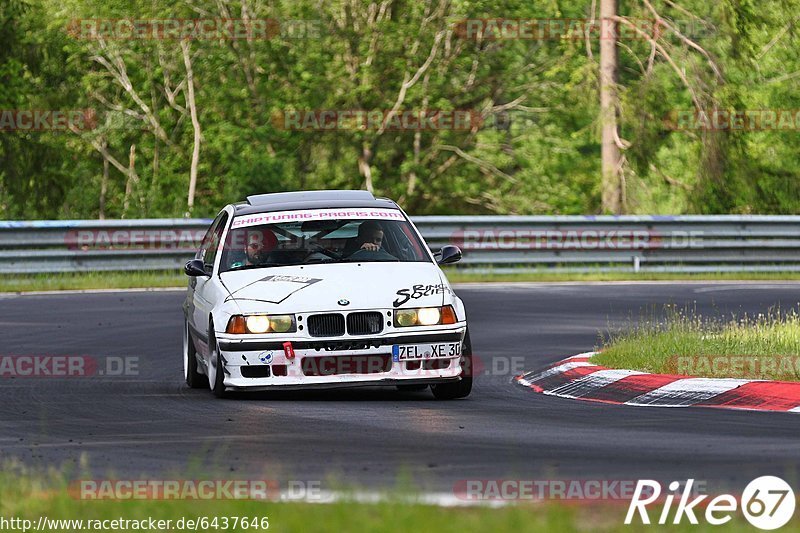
<point x="91" y="280"/>
<point x="160" y="279"/>
<point x="25" y="497"/>
<point x="766" y="346"/>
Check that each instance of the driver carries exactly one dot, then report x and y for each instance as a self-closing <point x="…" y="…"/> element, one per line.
<point x="368" y="244"/>
<point x="370" y="236"/>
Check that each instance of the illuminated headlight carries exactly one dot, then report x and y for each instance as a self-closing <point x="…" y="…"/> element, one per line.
<point x="428" y="316"/>
<point x="424" y="316"/>
<point x="261" y="324"/>
<point x="257" y="324"/>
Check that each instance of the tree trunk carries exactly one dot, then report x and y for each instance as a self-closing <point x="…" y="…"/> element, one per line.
<point x="133" y="178"/>
<point x="611" y="184"/>
<point x="104" y="185"/>
<point x="187" y="61"/>
<point x="364" y="166"/>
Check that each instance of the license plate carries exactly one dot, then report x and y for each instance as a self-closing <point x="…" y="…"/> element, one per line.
<point x="413" y="352"/>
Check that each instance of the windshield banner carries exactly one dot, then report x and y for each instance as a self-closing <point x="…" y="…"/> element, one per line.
<point x="316" y="214"/>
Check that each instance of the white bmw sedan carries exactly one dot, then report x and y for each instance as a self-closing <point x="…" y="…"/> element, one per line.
<point x="322" y="289"/>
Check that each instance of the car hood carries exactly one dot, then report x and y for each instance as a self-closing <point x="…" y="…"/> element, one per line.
<point x="337" y="287"/>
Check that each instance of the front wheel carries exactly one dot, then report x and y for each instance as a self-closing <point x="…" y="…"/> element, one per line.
<point x="216" y="367"/>
<point x="462" y="387"/>
<point x="191" y="374"/>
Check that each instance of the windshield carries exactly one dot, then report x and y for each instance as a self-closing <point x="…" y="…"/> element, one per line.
<point x="312" y="237"/>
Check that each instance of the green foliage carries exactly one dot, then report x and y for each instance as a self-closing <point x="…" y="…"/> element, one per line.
<point x="536" y="150"/>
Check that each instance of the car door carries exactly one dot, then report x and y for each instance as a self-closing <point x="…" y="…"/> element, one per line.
<point x="206" y="289"/>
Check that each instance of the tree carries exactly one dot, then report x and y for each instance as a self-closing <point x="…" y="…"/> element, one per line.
<point x="611" y="161"/>
<point x="565" y="125"/>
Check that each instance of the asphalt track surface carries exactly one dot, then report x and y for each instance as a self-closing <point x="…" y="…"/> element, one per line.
<point x="151" y="426"/>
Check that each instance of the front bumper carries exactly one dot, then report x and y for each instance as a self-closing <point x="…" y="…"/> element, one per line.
<point x="336" y="362"/>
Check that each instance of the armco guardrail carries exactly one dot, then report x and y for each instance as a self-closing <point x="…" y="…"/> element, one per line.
<point x="497" y="243"/>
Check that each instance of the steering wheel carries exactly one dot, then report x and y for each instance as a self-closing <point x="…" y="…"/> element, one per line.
<point x="366" y="255"/>
<point x="321" y="249"/>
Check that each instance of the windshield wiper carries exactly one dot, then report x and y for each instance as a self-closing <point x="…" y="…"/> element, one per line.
<point x="370" y="260"/>
<point x="320" y="260"/>
<point x="247" y="267"/>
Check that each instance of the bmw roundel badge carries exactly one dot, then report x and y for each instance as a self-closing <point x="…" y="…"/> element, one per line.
<point x="344" y="301"/>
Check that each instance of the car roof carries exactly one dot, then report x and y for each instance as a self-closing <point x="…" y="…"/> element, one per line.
<point x="289" y="201"/>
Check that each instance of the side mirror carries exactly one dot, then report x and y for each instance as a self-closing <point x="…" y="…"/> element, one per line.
<point x="195" y="268"/>
<point x="448" y="254"/>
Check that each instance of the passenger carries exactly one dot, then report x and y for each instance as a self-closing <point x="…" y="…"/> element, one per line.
<point x="250" y="246"/>
<point x="260" y="242"/>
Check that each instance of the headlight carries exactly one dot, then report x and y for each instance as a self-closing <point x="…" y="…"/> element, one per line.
<point x="257" y="324"/>
<point x="405" y="317"/>
<point x="239" y="324"/>
<point x="428" y="316"/>
<point x="281" y="323"/>
<point x="424" y="316"/>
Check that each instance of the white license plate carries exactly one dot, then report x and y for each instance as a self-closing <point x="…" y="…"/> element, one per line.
<point x="413" y="352"/>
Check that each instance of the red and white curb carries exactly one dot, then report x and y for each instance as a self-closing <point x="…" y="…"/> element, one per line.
<point x="576" y="377"/>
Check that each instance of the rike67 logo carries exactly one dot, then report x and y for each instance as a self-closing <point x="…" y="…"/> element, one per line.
<point x="767" y="503"/>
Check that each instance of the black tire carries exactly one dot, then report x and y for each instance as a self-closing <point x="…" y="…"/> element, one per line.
<point x="462" y="387"/>
<point x="412" y="388"/>
<point x="218" y="387"/>
<point x="193" y="377"/>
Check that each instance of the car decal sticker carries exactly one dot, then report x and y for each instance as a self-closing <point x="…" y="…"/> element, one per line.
<point x="316" y="214"/>
<point x="284" y="287"/>
<point x="418" y="291"/>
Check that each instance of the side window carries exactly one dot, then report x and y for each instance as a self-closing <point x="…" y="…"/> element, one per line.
<point x="204" y="244"/>
<point x="212" y="239"/>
